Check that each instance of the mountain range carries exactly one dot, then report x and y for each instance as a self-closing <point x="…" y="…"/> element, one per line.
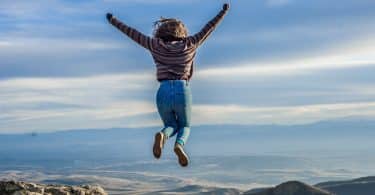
<point x="360" y="186"/>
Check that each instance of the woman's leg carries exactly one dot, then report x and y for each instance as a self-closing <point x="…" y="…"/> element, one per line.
<point x="168" y="116"/>
<point x="182" y="107"/>
<point x="164" y="105"/>
<point x="170" y="127"/>
<point x="183" y="111"/>
<point x="170" y="123"/>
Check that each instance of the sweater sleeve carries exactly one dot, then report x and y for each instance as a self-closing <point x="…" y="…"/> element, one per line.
<point x="135" y="35"/>
<point x="202" y="35"/>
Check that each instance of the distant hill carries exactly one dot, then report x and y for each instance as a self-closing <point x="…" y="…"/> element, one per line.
<point x="197" y="189"/>
<point x="290" y="188"/>
<point x="360" y="186"/>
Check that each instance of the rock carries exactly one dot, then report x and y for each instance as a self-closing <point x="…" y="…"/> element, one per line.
<point x="23" y="188"/>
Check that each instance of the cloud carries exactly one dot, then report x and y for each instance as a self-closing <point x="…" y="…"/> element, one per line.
<point x="100" y="97"/>
<point x="51" y="103"/>
<point x="351" y="55"/>
<point x="48" y="46"/>
<point x="127" y="100"/>
<point x="239" y="114"/>
<point x="336" y="30"/>
<point x="70" y="90"/>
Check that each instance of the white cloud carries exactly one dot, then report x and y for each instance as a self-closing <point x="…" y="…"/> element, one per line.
<point x="85" y="91"/>
<point x="337" y="30"/>
<point x="73" y="102"/>
<point x="239" y="114"/>
<point x="5" y="44"/>
<point x="108" y="81"/>
<point x="114" y="101"/>
<point x="46" y="46"/>
<point x="351" y="55"/>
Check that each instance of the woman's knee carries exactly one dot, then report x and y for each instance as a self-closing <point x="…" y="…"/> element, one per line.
<point x="171" y="126"/>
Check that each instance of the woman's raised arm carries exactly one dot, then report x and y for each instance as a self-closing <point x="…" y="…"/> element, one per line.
<point x="202" y="35"/>
<point x="140" y="38"/>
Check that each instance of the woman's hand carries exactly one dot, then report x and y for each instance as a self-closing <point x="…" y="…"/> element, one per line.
<point x="225" y="6"/>
<point x="109" y="17"/>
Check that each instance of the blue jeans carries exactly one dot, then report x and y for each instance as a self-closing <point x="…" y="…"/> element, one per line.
<point x="174" y="101"/>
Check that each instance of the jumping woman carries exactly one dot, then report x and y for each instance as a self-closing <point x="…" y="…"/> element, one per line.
<point x="173" y="52"/>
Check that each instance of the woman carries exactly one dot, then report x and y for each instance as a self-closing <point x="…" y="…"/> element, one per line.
<point x="173" y="52"/>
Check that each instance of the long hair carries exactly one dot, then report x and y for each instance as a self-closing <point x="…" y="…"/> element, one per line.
<point x="170" y="29"/>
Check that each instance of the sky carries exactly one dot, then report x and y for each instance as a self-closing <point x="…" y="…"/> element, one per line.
<point x="268" y="62"/>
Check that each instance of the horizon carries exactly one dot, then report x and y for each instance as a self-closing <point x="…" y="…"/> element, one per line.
<point x="344" y="120"/>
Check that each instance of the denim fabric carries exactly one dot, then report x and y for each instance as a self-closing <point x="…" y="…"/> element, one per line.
<point x="174" y="101"/>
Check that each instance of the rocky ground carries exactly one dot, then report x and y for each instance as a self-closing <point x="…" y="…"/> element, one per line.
<point x="23" y="188"/>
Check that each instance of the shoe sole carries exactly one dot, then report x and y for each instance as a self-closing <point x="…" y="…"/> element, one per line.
<point x="158" y="145"/>
<point x="182" y="157"/>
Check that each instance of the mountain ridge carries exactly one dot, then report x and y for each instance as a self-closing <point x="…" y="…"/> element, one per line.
<point x="346" y="187"/>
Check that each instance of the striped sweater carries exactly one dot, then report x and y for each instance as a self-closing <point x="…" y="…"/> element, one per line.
<point x="174" y="60"/>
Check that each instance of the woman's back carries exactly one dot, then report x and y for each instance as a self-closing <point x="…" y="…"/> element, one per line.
<point x="174" y="59"/>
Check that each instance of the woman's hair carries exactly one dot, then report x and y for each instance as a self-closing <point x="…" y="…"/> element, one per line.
<point x="169" y="29"/>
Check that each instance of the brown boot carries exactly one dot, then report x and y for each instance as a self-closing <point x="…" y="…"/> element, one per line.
<point x="158" y="144"/>
<point x="183" y="158"/>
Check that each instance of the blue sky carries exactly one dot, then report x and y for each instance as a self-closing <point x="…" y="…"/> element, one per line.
<point x="269" y="62"/>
